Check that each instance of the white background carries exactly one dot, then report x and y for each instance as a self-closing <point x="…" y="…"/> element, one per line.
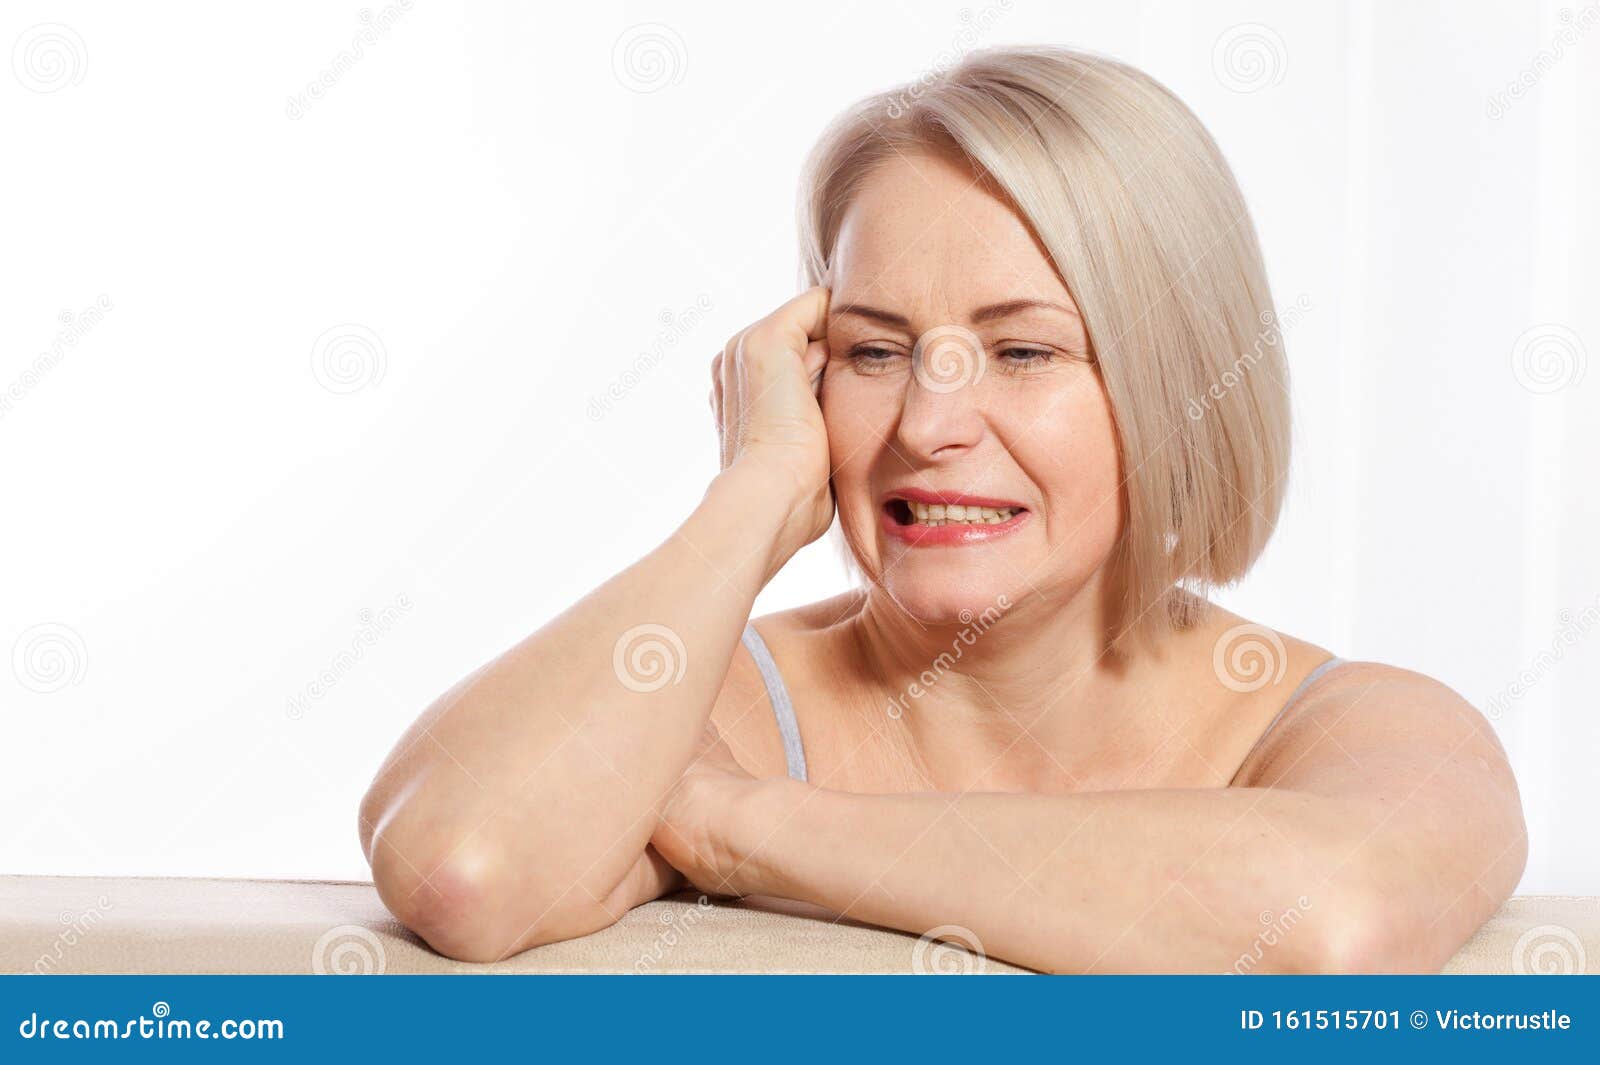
<point x="519" y="203"/>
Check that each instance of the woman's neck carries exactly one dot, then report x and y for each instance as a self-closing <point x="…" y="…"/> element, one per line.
<point x="1012" y="690"/>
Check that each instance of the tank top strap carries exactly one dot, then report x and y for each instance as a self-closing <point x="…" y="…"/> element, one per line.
<point x="794" y="754"/>
<point x="1294" y="697"/>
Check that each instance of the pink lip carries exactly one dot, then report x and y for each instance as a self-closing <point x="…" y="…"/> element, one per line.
<point x="947" y="535"/>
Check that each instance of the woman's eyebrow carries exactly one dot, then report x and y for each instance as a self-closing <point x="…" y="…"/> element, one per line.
<point x="863" y="311"/>
<point x="1010" y="307"/>
<point x="983" y="314"/>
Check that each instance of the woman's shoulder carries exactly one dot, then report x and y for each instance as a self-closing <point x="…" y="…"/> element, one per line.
<point x="1354" y="707"/>
<point x="813" y="618"/>
<point x="1297" y="697"/>
<point x="1260" y="665"/>
<point x="792" y="638"/>
<point x="1303" y="675"/>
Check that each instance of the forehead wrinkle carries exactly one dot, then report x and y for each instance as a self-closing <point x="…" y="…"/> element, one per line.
<point x="937" y="247"/>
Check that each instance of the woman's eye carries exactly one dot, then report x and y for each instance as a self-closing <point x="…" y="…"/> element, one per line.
<point x="1019" y="358"/>
<point x="1012" y="358"/>
<point x="871" y="359"/>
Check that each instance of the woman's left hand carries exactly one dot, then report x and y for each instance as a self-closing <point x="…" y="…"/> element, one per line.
<point x="691" y="833"/>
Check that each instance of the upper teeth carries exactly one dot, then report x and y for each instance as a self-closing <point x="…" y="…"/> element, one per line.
<point x="942" y="513"/>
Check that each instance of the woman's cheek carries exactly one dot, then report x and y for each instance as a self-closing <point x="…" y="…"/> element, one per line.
<point x="847" y="424"/>
<point x="1069" y="450"/>
<point x="1096" y="478"/>
<point x="850" y="446"/>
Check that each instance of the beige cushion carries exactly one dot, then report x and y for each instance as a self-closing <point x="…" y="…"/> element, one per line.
<point x="92" y="925"/>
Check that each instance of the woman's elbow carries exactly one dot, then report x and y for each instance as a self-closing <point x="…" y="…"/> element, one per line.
<point x="457" y="902"/>
<point x="445" y="888"/>
<point x="1369" y="932"/>
<point x="1354" y="937"/>
<point x="466" y="893"/>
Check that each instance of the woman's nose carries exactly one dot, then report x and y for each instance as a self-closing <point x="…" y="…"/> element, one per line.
<point x="940" y="413"/>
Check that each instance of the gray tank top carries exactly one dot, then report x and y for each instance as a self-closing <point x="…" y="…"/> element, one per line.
<point x="794" y="753"/>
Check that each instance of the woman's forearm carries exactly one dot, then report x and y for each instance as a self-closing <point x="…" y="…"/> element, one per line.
<point x="524" y="797"/>
<point x="1173" y="880"/>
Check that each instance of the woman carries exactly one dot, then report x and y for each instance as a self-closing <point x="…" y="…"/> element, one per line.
<point x="1037" y="377"/>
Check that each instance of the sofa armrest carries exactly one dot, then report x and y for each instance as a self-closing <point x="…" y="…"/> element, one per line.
<point x="158" y="925"/>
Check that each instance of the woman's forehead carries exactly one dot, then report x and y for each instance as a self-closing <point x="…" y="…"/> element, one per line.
<point x="922" y="231"/>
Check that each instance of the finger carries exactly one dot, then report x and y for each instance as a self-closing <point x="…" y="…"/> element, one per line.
<point x="815" y="361"/>
<point x="715" y="394"/>
<point x="728" y="396"/>
<point x="807" y="312"/>
<point x="730" y="366"/>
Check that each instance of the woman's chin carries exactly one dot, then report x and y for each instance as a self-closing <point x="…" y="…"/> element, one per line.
<point x="947" y="603"/>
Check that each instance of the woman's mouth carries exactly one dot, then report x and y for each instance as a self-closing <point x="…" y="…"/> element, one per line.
<point x="931" y="519"/>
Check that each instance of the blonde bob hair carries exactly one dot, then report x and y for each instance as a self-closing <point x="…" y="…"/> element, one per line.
<point x="1142" y="219"/>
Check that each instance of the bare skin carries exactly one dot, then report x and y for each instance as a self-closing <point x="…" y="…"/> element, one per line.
<point x="1071" y="809"/>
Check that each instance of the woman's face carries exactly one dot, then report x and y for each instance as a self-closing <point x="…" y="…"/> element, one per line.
<point x="959" y="374"/>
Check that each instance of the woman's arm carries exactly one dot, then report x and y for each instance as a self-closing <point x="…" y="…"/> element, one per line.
<point x="518" y="808"/>
<point x="1383" y="829"/>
